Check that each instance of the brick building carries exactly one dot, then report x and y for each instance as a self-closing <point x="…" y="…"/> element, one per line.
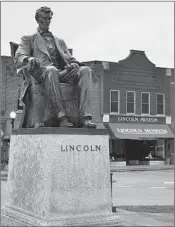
<point x="9" y="99"/>
<point x="131" y="97"/>
<point x="136" y="103"/>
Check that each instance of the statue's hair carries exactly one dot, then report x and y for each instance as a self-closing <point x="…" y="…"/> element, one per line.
<point x="44" y="9"/>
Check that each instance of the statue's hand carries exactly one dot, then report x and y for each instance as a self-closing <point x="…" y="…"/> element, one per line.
<point x="72" y="66"/>
<point x="32" y="63"/>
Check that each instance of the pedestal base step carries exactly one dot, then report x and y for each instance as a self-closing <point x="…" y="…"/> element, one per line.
<point x="11" y="217"/>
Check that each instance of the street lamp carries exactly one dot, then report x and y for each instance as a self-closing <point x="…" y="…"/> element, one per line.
<point x="12" y="116"/>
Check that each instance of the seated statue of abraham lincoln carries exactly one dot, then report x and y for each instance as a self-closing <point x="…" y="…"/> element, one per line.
<point x="45" y="62"/>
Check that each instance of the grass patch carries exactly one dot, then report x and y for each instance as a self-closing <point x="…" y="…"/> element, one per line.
<point x="149" y="209"/>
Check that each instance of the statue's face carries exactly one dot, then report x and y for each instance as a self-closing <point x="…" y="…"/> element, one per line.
<point x="44" y="21"/>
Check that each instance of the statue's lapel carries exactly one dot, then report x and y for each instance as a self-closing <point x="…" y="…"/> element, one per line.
<point x="57" y="42"/>
<point x="41" y="45"/>
<point x="58" y="45"/>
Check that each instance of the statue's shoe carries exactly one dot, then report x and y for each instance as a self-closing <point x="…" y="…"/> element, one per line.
<point x="65" y="123"/>
<point x="88" y="124"/>
<point x="39" y="125"/>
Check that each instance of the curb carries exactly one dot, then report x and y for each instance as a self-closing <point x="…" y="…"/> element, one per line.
<point x="135" y="170"/>
<point x="130" y="169"/>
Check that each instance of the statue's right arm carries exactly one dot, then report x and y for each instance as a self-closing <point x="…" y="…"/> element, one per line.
<point x="23" y="52"/>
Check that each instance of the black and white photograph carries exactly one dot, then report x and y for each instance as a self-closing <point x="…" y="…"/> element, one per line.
<point x="87" y="123"/>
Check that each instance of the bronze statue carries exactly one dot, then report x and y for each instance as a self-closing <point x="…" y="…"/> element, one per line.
<point x="45" y="62"/>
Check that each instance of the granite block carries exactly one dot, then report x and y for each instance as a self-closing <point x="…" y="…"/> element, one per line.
<point x="59" y="177"/>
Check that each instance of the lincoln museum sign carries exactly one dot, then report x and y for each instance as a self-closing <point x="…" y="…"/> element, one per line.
<point x="137" y="119"/>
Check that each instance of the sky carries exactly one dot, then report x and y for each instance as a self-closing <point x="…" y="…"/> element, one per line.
<point x="104" y="31"/>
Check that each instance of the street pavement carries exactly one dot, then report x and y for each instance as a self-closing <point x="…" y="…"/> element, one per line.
<point x="135" y="188"/>
<point x="143" y="188"/>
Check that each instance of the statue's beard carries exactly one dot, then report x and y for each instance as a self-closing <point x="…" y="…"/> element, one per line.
<point x="44" y="27"/>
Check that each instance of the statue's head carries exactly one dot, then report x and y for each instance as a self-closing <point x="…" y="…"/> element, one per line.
<point x="43" y="17"/>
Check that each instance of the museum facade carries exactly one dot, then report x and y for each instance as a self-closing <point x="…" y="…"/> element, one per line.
<point x="137" y="109"/>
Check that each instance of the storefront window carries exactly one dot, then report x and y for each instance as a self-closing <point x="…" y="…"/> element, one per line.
<point x="118" y="153"/>
<point x="157" y="149"/>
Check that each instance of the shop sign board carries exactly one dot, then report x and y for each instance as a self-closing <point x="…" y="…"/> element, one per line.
<point x="142" y="131"/>
<point x="137" y="119"/>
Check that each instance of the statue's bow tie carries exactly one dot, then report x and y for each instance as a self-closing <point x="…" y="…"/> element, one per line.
<point x="47" y="34"/>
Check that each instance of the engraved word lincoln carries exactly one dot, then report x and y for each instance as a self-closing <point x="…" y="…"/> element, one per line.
<point x="66" y="148"/>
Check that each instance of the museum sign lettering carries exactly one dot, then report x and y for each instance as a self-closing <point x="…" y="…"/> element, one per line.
<point x="141" y="131"/>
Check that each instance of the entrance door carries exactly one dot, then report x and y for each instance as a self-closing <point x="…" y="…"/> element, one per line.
<point x="136" y="151"/>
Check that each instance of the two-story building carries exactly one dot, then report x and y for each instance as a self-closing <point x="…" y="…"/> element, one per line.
<point x="135" y="104"/>
<point x="131" y="98"/>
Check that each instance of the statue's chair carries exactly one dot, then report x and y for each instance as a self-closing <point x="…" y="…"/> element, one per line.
<point x="38" y="110"/>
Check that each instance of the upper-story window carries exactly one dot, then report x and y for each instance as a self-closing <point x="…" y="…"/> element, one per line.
<point x="160" y="103"/>
<point x="114" y="101"/>
<point x="145" y="103"/>
<point x="130" y="102"/>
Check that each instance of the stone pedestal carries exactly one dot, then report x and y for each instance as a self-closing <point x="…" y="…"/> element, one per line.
<point x="59" y="177"/>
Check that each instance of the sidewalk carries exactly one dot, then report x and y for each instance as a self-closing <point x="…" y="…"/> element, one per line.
<point x="129" y="218"/>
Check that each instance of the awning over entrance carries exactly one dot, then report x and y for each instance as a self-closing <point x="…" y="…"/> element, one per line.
<point x="140" y="131"/>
